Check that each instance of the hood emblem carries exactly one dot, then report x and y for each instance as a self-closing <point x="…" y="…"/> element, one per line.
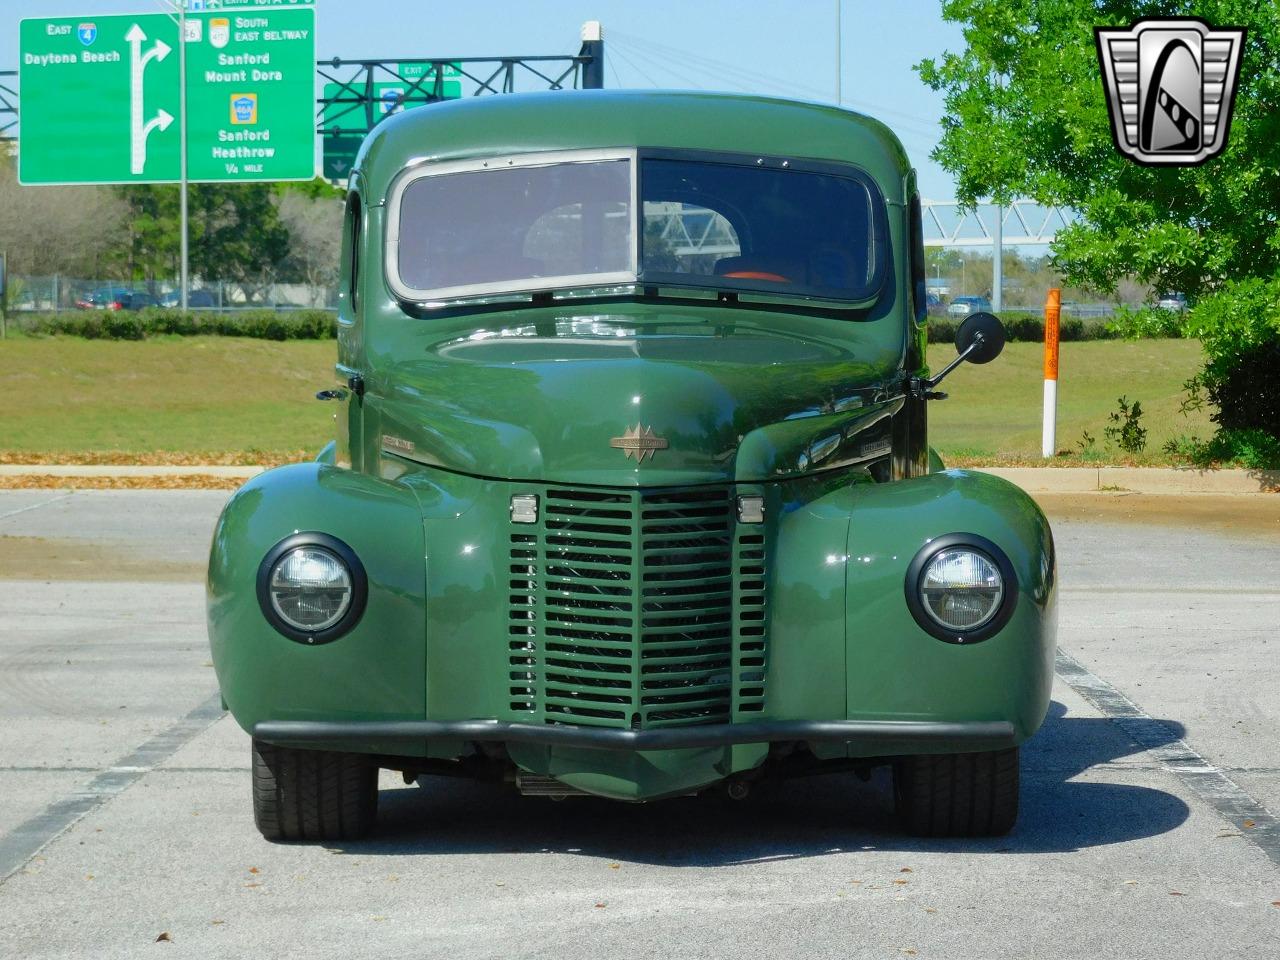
<point x="639" y="441"/>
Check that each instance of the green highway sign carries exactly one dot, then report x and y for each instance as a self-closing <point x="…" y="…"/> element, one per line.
<point x="340" y="154"/>
<point x="100" y="97"/>
<point x="412" y="71"/>
<point x="197" y="5"/>
<point x="346" y="124"/>
<point x="390" y="97"/>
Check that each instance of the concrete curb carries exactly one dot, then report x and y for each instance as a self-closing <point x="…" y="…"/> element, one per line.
<point x="1150" y="480"/>
<point x="1155" y="480"/>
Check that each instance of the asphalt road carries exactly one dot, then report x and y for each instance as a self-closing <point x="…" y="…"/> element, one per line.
<point x="1149" y="800"/>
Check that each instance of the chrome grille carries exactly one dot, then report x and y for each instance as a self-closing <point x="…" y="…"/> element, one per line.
<point x="636" y="608"/>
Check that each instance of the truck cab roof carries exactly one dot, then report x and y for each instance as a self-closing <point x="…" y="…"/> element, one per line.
<point x="585" y="119"/>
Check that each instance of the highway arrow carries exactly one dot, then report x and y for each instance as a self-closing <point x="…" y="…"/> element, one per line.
<point x="138" y="130"/>
<point x="161" y="120"/>
<point x="159" y="51"/>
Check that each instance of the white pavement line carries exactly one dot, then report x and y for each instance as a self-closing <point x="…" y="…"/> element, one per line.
<point x="1174" y="755"/>
<point x="36" y="506"/>
<point x="27" y="839"/>
<point x="1180" y="591"/>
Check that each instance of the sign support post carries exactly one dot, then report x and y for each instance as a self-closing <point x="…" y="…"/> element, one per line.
<point x="997" y="262"/>
<point x="1052" y="314"/>
<point x="183" y="278"/>
<point x="593" y="47"/>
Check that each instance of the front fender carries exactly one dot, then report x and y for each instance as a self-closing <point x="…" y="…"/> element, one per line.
<point x="894" y="668"/>
<point x="374" y="672"/>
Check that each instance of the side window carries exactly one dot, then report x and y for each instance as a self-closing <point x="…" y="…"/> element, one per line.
<point x="918" y="290"/>
<point x="351" y="250"/>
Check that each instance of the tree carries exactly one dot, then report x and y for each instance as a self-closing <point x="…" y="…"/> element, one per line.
<point x="315" y="239"/>
<point x="48" y="230"/>
<point x="236" y="234"/>
<point x="234" y="228"/>
<point x="1027" y="116"/>
<point x="149" y="247"/>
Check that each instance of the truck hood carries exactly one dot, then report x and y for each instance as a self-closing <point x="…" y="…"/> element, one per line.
<point x="592" y="399"/>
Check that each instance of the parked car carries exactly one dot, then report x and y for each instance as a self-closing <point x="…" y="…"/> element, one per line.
<point x="1174" y="302"/>
<point x="964" y="306"/>
<point x="133" y="300"/>
<point x="604" y="518"/>
<point x="934" y="305"/>
<point x="101" y="298"/>
<point x="196" y="299"/>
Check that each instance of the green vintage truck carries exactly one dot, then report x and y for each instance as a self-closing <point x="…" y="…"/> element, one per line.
<point x="631" y="494"/>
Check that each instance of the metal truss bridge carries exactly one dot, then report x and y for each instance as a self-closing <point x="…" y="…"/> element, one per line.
<point x="1021" y="223"/>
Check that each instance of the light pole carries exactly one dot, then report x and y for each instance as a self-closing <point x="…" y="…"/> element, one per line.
<point x="839" y="64"/>
<point x="963" y="286"/>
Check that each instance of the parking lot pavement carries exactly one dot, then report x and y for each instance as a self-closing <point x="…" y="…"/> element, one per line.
<point x="114" y="756"/>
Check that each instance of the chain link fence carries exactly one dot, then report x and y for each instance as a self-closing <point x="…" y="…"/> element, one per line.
<point x="56" y="293"/>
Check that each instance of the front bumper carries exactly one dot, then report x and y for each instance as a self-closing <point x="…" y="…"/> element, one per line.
<point x="870" y="737"/>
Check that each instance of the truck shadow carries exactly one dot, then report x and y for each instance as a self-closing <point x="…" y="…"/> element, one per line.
<point x="804" y="817"/>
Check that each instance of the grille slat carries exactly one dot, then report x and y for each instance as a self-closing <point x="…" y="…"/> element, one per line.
<point x="687" y="664"/>
<point x="627" y="609"/>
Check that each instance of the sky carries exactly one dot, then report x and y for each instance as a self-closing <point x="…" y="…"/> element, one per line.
<point x="782" y="48"/>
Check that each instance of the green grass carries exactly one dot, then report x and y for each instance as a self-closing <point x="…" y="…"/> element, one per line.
<point x="995" y="411"/>
<point x="197" y="395"/>
<point x="242" y="399"/>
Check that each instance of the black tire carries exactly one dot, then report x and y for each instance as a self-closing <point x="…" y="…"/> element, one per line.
<point x="957" y="794"/>
<point x="312" y="794"/>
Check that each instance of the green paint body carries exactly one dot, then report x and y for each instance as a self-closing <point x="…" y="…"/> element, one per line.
<point x="764" y="403"/>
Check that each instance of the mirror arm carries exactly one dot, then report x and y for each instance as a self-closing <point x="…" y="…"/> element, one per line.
<point x="933" y="381"/>
<point x="923" y="386"/>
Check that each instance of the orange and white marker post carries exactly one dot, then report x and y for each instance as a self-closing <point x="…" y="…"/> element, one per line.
<point x="1052" y="314"/>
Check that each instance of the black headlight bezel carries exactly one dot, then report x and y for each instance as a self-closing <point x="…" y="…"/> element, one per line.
<point x="915" y="570"/>
<point x="359" y="586"/>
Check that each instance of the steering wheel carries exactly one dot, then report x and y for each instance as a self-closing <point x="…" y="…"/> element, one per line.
<point x="756" y="275"/>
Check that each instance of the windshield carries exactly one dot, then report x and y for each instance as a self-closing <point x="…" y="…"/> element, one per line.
<point x="531" y="224"/>
<point x="773" y="230"/>
<point x="485" y="231"/>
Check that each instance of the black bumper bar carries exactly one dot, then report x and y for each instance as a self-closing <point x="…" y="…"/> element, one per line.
<point x="882" y="736"/>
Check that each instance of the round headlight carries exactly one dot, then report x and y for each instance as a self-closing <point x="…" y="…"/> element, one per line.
<point x="961" y="589"/>
<point x="312" y="587"/>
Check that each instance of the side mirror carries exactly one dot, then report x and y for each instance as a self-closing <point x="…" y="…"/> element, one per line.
<point x="980" y="338"/>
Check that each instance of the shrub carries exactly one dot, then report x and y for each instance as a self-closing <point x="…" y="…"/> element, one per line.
<point x="1024" y="328"/>
<point x="1252" y="449"/>
<point x="1126" y="430"/>
<point x="1239" y="326"/>
<point x="260" y="324"/>
<point x="1147" y="323"/>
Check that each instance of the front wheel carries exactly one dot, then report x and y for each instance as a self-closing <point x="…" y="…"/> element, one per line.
<point x="312" y="794"/>
<point x="957" y="794"/>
